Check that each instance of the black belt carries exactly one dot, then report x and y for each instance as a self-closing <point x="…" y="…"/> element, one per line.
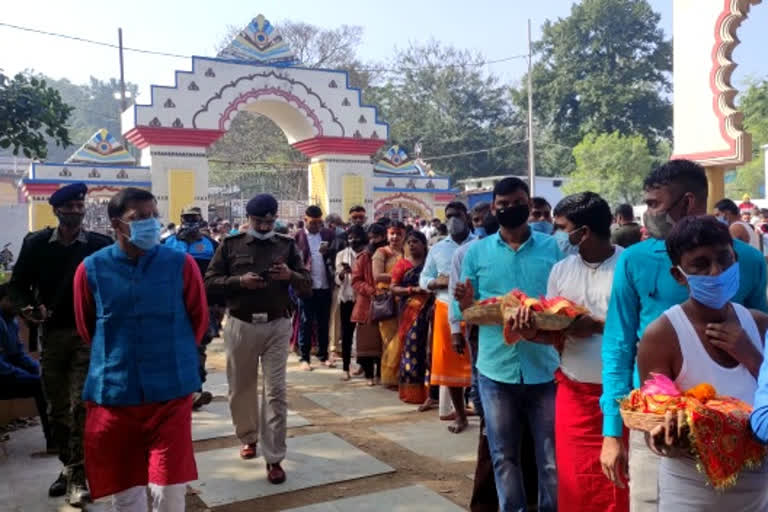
<point x="249" y="317"/>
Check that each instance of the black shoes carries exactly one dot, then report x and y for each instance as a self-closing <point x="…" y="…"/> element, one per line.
<point x="59" y="487"/>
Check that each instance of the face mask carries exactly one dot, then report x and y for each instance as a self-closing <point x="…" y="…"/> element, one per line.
<point x="542" y="226"/>
<point x="70" y="220"/>
<point x="513" y="216"/>
<point x="564" y="243"/>
<point x="490" y="224"/>
<point x="480" y="232"/>
<point x="456" y="226"/>
<point x="660" y="224"/>
<point x="714" y="291"/>
<point x="145" y="233"/>
<point x="722" y="219"/>
<point x="266" y="235"/>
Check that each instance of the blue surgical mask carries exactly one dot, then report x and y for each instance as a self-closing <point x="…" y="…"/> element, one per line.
<point x="564" y="243"/>
<point x="262" y="236"/>
<point x="145" y="233"/>
<point x="722" y="219"/>
<point x="714" y="291"/>
<point x="542" y="226"/>
<point x="480" y="232"/>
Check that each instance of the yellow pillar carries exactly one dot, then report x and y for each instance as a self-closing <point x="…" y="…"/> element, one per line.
<point x="41" y="215"/>
<point x="181" y="192"/>
<point x="715" y="187"/>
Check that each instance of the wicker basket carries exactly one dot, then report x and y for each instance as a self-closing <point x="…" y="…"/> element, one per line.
<point x="484" y="314"/>
<point x="643" y="421"/>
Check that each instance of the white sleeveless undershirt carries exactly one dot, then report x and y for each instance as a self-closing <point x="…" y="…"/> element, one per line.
<point x="699" y="367"/>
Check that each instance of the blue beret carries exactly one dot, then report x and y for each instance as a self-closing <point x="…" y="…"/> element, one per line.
<point x="73" y="192"/>
<point x="261" y="205"/>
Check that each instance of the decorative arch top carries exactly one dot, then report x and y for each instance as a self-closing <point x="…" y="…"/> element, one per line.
<point x="316" y="108"/>
<point x="707" y="124"/>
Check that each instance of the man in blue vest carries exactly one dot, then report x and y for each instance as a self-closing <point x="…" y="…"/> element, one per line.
<point x="190" y="239"/>
<point x="142" y="308"/>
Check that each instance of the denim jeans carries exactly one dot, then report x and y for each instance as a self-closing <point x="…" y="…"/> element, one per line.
<point x="506" y="406"/>
<point x="315" y="309"/>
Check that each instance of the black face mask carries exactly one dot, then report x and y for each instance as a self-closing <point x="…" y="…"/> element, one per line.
<point x="357" y="245"/>
<point x="512" y="217"/>
<point x="490" y="224"/>
<point x="70" y="220"/>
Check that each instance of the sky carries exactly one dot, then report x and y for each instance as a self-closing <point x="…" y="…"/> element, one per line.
<point x="496" y="28"/>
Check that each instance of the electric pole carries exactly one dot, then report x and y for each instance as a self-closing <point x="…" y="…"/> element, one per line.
<point x="123" y="105"/>
<point x="531" y="166"/>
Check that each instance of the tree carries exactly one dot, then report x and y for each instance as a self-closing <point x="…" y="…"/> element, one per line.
<point x="442" y="97"/>
<point x="612" y="165"/>
<point x="30" y="110"/>
<point x="602" y="69"/>
<point x="754" y="104"/>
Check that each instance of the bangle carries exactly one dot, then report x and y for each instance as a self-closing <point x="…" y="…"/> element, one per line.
<point x="410" y="290"/>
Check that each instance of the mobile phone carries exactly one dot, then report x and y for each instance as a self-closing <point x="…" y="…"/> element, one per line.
<point x="324" y="244"/>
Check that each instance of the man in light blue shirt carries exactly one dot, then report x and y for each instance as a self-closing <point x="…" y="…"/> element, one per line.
<point x="454" y="368"/>
<point x="515" y="381"/>
<point x="643" y="289"/>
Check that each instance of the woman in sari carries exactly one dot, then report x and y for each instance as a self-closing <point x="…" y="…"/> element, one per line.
<point x="384" y="261"/>
<point x="415" y="312"/>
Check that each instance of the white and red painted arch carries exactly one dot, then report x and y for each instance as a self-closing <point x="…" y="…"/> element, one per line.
<point x="320" y="113"/>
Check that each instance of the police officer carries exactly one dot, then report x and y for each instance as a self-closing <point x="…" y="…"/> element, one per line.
<point x="255" y="269"/>
<point x="41" y="285"/>
<point x="191" y="240"/>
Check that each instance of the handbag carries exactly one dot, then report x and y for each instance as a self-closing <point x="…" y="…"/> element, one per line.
<point x="382" y="306"/>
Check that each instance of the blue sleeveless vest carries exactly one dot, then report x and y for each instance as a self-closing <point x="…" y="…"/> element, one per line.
<point x="200" y="250"/>
<point x="143" y="348"/>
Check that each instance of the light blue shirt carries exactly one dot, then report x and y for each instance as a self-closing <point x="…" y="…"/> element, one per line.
<point x="495" y="269"/>
<point x="439" y="264"/>
<point x="758" y="421"/>
<point x="643" y="289"/>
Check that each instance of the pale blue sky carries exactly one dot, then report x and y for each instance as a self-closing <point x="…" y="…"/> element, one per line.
<point x="497" y="28"/>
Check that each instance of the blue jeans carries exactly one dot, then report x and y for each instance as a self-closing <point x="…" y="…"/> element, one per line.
<point x="506" y="406"/>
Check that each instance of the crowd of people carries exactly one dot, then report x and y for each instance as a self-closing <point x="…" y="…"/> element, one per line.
<point x="125" y="326"/>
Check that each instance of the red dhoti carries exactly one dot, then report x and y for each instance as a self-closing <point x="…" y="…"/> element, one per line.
<point x="581" y="484"/>
<point x="138" y="444"/>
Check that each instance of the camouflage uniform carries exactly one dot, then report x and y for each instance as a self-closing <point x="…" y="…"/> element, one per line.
<point x="43" y="275"/>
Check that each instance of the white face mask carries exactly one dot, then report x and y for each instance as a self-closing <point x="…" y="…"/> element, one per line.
<point x="262" y="236"/>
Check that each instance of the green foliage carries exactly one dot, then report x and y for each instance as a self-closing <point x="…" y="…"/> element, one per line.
<point x="30" y="110"/>
<point x="602" y="69"/>
<point x="754" y="104"/>
<point x="442" y="98"/>
<point x="612" y="165"/>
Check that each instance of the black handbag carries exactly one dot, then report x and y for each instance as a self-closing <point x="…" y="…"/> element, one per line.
<point x="382" y="306"/>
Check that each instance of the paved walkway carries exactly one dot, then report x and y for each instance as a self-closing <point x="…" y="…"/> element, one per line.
<point x="350" y="448"/>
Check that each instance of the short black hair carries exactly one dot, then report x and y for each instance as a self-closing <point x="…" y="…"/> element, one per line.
<point x="442" y="229"/>
<point x="377" y="229"/>
<point x="625" y="211"/>
<point x="540" y="202"/>
<point x="435" y="219"/>
<point x="510" y="185"/>
<point x="481" y="207"/>
<point x="313" y="212"/>
<point x="685" y="173"/>
<point x="357" y="208"/>
<point x="384" y="221"/>
<point x="396" y="224"/>
<point x="586" y="209"/>
<point x="456" y="205"/>
<point x="726" y="205"/>
<point x="357" y="232"/>
<point x="119" y="202"/>
<point x="170" y="225"/>
<point x="423" y="222"/>
<point x="300" y="224"/>
<point x="696" y="231"/>
<point x="421" y="237"/>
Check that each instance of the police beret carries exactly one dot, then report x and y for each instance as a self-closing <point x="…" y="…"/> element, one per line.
<point x="72" y="192"/>
<point x="261" y="205"/>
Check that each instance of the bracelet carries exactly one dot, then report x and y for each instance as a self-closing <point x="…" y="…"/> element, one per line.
<point x="410" y="290"/>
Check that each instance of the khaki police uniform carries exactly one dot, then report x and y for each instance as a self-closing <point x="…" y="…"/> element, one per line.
<point x="258" y="332"/>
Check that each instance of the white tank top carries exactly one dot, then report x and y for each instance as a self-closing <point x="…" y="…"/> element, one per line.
<point x="754" y="241"/>
<point x="699" y="367"/>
